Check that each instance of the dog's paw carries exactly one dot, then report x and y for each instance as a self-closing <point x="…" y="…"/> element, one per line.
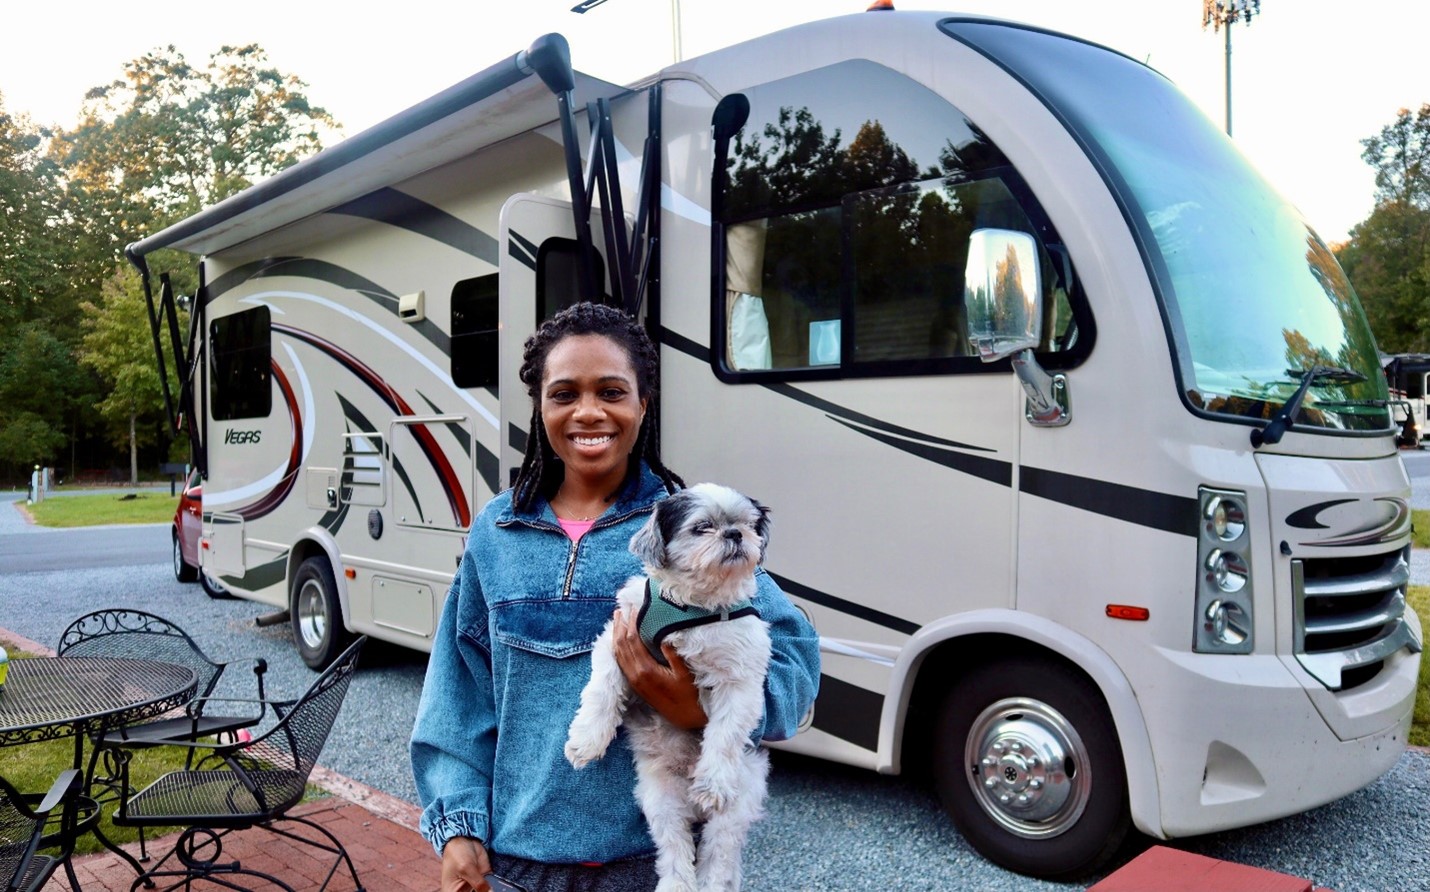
<point x="581" y="752"/>
<point x="711" y="792"/>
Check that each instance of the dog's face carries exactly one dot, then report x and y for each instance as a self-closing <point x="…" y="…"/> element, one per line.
<point x="703" y="537"/>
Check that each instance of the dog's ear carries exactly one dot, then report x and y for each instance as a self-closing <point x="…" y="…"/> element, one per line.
<point x="762" y="527"/>
<point x="650" y="540"/>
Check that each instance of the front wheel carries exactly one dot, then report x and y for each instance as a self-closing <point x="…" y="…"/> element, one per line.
<point x="317" y="616"/>
<point x="1028" y="765"/>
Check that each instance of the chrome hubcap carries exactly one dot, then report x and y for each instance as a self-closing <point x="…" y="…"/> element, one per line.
<point x="312" y="614"/>
<point x="1028" y="768"/>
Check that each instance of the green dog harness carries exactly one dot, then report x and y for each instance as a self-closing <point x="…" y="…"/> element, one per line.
<point x="659" y="617"/>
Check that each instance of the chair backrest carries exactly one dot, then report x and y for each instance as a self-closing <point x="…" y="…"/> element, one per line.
<point x="21" y="826"/>
<point x="135" y="634"/>
<point x="18" y="837"/>
<point x="292" y="745"/>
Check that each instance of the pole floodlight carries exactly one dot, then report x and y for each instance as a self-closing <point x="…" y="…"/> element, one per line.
<point x="1225" y="13"/>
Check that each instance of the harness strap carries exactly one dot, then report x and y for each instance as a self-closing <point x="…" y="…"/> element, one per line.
<point x="659" y="617"/>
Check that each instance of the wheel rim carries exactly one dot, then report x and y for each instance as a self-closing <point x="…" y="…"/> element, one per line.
<point x="178" y="558"/>
<point x="212" y="584"/>
<point x="312" y="614"/>
<point x="1028" y="768"/>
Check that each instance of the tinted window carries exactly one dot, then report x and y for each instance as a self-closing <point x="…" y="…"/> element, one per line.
<point x="240" y="346"/>
<point x="846" y="202"/>
<point x="474" y="332"/>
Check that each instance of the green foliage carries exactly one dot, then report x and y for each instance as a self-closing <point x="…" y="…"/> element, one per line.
<point x="118" y="344"/>
<point x="1388" y="255"/>
<point x="168" y="139"/>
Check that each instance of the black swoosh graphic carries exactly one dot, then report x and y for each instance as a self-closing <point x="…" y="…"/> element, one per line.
<point x="388" y="205"/>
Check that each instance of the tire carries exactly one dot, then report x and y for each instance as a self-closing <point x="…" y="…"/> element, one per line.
<point x="182" y="570"/>
<point x="1036" y="729"/>
<point x="317" y="616"/>
<point x="212" y="587"/>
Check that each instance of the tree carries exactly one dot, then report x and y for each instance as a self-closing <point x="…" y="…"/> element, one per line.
<point x="1400" y="154"/>
<point x="33" y="246"/>
<point x="1388" y="254"/>
<point x="168" y="139"/>
<point x="118" y="345"/>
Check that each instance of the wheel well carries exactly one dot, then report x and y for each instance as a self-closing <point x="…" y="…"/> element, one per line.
<point x="303" y="550"/>
<point x="948" y="660"/>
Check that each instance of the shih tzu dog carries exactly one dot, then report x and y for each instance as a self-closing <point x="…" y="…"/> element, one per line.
<point x="700" y="549"/>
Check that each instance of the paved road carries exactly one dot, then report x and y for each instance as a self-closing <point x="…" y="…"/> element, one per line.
<point x="828" y="827"/>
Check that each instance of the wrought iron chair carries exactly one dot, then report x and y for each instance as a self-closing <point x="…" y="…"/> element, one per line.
<point x="240" y="785"/>
<point x="137" y="634"/>
<point x="122" y="633"/>
<point x="22" y="832"/>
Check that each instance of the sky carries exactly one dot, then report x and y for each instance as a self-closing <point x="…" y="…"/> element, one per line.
<point x="1310" y="78"/>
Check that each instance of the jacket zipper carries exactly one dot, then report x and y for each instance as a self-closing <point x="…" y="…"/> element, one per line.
<point x="575" y="546"/>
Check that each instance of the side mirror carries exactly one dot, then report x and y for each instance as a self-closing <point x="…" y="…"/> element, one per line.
<point x="1003" y="293"/>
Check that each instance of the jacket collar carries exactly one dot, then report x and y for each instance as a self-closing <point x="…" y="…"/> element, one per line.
<point x="639" y="495"/>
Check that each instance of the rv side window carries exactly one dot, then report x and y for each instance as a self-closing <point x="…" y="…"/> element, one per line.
<point x="558" y="271"/>
<point x="474" y="332"/>
<point x="240" y="348"/>
<point x="846" y="201"/>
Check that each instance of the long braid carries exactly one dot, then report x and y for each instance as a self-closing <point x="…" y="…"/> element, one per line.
<point x="541" y="470"/>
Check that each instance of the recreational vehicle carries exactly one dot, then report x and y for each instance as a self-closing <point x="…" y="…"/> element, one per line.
<point x="1074" y="431"/>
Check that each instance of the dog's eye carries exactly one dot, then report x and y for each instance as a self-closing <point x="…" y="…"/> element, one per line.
<point x="702" y="528"/>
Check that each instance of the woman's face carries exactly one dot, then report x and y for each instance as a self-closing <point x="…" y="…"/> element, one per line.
<point x="591" y="408"/>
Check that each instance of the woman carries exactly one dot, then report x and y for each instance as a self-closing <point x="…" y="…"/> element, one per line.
<point x="536" y="586"/>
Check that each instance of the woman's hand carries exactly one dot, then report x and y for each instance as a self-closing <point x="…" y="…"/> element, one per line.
<point x="465" y="866"/>
<point x="670" y="690"/>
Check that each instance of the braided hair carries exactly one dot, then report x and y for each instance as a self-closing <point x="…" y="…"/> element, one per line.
<point x="541" y="470"/>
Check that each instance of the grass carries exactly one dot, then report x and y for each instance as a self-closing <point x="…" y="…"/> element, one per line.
<point x="1420" y="528"/>
<point x="1419" y="598"/>
<point x="83" y="511"/>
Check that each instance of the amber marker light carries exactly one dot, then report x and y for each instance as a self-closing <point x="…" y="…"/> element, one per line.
<point x="879" y="5"/>
<point x="350" y="573"/>
<point x="1127" y="611"/>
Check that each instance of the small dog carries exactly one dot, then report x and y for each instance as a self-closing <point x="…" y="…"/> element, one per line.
<point x="700" y="549"/>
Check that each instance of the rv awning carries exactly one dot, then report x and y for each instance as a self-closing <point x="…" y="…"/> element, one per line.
<point x="500" y="102"/>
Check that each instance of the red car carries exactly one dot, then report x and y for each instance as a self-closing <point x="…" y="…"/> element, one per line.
<point x="187" y="531"/>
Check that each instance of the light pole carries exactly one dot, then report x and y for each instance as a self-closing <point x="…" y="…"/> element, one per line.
<point x="587" y="5"/>
<point x="1224" y="13"/>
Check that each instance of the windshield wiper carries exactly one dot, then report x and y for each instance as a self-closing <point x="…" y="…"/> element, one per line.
<point x="1316" y="374"/>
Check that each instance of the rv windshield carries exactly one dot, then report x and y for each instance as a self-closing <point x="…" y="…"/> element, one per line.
<point x="1251" y="296"/>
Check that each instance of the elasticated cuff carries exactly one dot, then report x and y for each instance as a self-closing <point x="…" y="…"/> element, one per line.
<point x="439" y="828"/>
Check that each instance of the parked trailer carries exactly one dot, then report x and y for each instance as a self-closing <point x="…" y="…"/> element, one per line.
<point x="1075" y="431"/>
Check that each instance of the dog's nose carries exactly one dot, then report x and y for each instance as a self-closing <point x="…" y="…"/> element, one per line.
<point x="733" y="535"/>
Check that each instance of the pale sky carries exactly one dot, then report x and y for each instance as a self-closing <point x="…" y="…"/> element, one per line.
<point x="1310" y="78"/>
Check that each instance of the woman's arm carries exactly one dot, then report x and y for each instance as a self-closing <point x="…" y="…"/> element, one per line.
<point x="793" y="679"/>
<point x="454" y="738"/>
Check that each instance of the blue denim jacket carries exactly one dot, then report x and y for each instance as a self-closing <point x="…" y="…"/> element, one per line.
<point x="508" y="663"/>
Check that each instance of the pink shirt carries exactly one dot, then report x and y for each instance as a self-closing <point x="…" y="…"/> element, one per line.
<point x="575" y="528"/>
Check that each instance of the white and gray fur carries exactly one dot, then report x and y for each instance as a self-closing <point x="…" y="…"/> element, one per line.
<point x="701" y="545"/>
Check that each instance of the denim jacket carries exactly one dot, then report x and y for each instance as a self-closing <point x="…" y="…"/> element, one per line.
<point x="511" y="655"/>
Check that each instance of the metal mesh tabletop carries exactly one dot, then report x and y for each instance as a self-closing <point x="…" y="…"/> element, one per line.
<point x="51" y="697"/>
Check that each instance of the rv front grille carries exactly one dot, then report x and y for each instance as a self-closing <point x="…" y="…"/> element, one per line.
<point x="1350" y="615"/>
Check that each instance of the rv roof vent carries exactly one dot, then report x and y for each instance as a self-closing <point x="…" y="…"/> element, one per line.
<point x="412" y="307"/>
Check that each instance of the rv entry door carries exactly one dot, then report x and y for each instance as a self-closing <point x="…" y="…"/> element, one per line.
<point x="540" y="276"/>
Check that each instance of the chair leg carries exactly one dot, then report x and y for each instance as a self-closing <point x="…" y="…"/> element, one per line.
<point x="336" y="848"/>
<point x="193" y="865"/>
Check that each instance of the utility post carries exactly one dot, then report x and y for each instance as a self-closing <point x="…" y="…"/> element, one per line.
<point x="1223" y="14"/>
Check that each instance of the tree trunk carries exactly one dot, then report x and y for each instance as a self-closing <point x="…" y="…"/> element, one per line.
<point x="133" y="453"/>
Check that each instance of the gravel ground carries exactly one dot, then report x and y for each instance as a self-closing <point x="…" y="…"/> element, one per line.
<point x="828" y="826"/>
